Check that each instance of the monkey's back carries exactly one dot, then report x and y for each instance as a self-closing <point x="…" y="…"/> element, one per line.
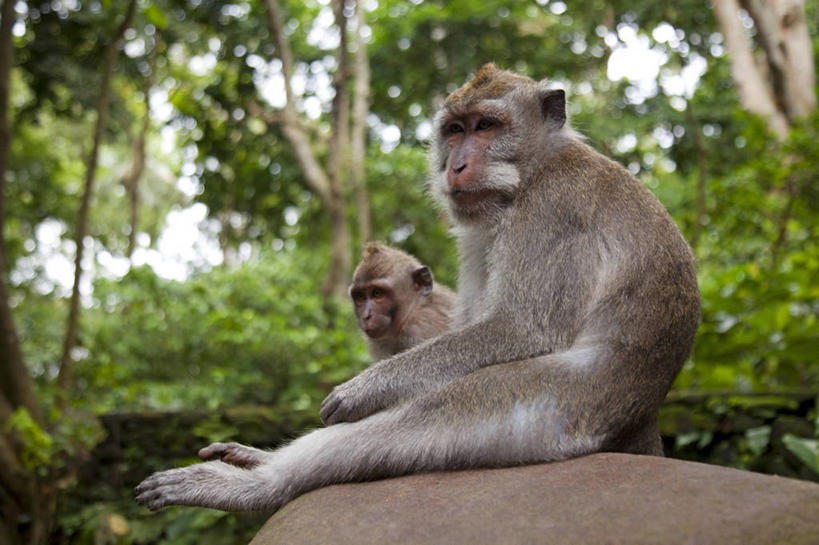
<point x="586" y="215"/>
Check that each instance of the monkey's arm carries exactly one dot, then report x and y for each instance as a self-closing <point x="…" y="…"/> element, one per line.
<point x="429" y="366"/>
<point x="517" y="326"/>
<point x="501" y="415"/>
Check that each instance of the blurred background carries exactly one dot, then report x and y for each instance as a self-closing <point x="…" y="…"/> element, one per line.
<point x="187" y="184"/>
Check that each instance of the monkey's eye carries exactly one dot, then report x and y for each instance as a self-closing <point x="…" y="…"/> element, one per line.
<point x="378" y="293"/>
<point x="358" y="297"/>
<point x="454" y="128"/>
<point x="483" y="124"/>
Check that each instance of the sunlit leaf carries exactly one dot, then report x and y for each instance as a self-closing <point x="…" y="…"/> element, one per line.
<point x="156" y="16"/>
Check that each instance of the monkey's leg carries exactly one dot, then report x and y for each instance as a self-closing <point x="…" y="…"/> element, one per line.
<point x="235" y="454"/>
<point x="544" y="409"/>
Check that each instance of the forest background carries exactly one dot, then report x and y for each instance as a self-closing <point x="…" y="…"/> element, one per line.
<point x="186" y="184"/>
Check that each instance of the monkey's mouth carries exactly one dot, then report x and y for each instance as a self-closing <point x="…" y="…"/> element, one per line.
<point x="375" y="332"/>
<point x="466" y="197"/>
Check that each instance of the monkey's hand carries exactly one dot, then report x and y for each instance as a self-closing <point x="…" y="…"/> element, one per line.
<point x="350" y="401"/>
<point x="235" y="454"/>
<point x="212" y="484"/>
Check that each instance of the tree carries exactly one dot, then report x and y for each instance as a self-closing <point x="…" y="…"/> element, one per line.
<point x="358" y="134"/>
<point x="131" y="179"/>
<point x="781" y="89"/>
<point x="327" y="183"/>
<point x="111" y="52"/>
<point x="21" y="494"/>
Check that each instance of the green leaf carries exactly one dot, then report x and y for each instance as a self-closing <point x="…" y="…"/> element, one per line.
<point x="758" y="439"/>
<point x="38" y="444"/>
<point x="807" y="450"/>
<point x="156" y="17"/>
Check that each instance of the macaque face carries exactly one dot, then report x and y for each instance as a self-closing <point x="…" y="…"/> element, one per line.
<point x="375" y="307"/>
<point x="477" y="173"/>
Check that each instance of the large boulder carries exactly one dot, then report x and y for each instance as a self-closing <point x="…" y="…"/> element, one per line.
<point x="599" y="499"/>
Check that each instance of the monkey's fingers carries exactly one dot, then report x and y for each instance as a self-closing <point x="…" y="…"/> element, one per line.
<point x="155" y="491"/>
<point x="214" y="450"/>
<point x="329" y="409"/>
<point x="233" y="454"/>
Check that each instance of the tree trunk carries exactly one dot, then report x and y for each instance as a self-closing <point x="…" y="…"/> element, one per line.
<point x="358" y="132"/>
<point x="111" y="51"/>
<point x="314" y="175"/>
<point x="328" y="184"/>
<point x="782" y="32"/>
<point x="702" y="175"/>
<point x="754" y="93"/>
<point x="131" y="180"/>
<point x="335" y="283"/>
<point x="15" y="382"/>
<point x="783" y="35"/>
<point x="22" y="496"/>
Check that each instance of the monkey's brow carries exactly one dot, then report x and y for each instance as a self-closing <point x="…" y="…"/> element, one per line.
<point x="484" y="108"/>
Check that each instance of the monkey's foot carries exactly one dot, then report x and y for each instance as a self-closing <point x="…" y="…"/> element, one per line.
<point x="235" y="454"/>
<point x="212" y="484"/>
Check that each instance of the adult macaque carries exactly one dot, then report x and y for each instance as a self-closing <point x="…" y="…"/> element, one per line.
<point x="577" y="306"/>
<point x="396" y="301"/>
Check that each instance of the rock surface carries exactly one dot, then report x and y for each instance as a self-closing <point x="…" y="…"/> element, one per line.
<point x="599" y="499"/>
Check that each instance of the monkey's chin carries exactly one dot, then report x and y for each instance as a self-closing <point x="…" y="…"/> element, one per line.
<point x="463" y="198"/>
<point x="471" y="206"/>
<point x="375" y="334"/>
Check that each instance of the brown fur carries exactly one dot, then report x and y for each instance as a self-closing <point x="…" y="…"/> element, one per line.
<point x="577" y="306"/>
<point x="488" y="83"/>
<point x="418" y="316"/>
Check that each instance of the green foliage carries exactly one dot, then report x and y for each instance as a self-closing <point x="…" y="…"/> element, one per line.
<point x="807" y="450"/>
<point x="756" y="431"/>
<point x="258" y="333"/>
<point x="399" y="177"/>
<point x="760" y="325"/>
<point x="39" y="445"/>
<point x="238" y="337"/>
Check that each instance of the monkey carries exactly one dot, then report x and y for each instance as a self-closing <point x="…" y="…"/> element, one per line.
<point x="396" y="301"/>
<point x="397" y="304"/>
<point x="577" y="305"/>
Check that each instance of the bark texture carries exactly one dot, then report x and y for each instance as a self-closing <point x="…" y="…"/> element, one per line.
<point x="780" y="88"/>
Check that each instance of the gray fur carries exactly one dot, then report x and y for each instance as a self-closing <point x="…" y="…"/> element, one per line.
<point x="578" y="305"/>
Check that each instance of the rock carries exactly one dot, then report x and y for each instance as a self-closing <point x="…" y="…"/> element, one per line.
<point x="604" y="498"/>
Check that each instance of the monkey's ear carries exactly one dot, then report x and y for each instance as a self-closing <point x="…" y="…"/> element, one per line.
<point x="553" y="107"/>
<point x="422" y="280"/>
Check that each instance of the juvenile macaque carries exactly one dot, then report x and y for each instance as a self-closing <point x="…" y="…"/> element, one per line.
<point x="397" y="303"/>
<point x="577" y="306"/>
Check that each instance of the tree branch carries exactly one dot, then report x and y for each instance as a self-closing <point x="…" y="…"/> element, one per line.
<point x="340" y="259"/>
<point x="358" y="132"/>
<point x="754" y="94"/>
<point x="783" y="35"/>
<point x="315" y="177"/>
<point x="111" y="51"/>
<point x="702" y="174"/>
